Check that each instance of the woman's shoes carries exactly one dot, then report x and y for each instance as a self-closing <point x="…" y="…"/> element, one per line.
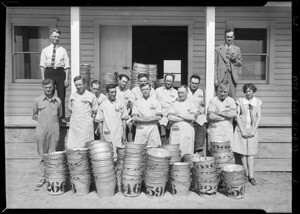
<point x="252" y="181"/>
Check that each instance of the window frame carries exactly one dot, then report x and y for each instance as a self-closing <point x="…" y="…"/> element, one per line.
<point x="12" y="22"/>
<point x="269" y="25"/>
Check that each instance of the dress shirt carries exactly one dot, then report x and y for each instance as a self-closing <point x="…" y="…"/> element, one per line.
<point x="61" y="57"/>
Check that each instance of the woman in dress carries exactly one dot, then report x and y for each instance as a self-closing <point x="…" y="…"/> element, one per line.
<point x="246" y="135"/>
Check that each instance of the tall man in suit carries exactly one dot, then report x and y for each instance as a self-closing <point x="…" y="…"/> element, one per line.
<point x="228" y="63"/>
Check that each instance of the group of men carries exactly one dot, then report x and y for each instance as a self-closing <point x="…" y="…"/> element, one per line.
<point x="142" y="115"/>
<point x="147" y="114"/>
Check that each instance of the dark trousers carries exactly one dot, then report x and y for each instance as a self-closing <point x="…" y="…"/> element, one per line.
<point x="200" y="136"/>
<point x="58" y="76"/>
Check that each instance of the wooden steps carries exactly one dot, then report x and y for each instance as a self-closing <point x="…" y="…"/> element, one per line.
<point x="274" y="150"/>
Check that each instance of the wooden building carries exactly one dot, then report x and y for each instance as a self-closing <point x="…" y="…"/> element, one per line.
<point x="110" y="39"/>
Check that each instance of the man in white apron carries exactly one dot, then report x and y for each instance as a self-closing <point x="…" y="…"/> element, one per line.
<point x="82" y="104"/>
<point x="182" y="116"/>
<point x="127" y="98"/>
<point x="221" y="112"/>
<point x="166" y="96"/>
<point x="112" y="116"/>
<point x="146" y="113"/>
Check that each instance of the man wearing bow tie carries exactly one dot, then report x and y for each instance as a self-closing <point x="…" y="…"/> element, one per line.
<point x="54" y="64"/>
<point x="228" y="62"/>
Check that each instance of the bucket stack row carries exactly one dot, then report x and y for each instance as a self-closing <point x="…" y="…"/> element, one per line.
<point x="174" y="152"/>
<point x="180" y="178"/>
<point x="101" y="153"/>
<point x="222" y="152"/>
<point x="156" y="171"/>
<point x="133" y="168"/>
<point x="56" y="172"/>
<point x="207" y="176"/>
<point x="80" y="170"/>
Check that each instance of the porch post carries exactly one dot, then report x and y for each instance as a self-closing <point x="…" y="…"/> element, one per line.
<point x="209" y="55"/>
<point x="75" y="45"/>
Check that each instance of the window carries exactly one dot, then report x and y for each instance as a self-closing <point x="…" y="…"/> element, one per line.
<point x="256" y="39"/>
<point x="26" y="38"/>
<point x="28" y="44"/>
<point x="253" y="44"/>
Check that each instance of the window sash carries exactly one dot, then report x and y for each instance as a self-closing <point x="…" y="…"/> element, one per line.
<point x="27" y="67"/>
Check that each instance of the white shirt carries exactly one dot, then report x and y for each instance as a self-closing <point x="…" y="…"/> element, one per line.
<point x="61" y="57"/>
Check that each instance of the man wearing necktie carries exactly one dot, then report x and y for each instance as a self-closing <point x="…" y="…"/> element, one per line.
<point x="228" y="60"/>
<point x="54" y="64"/>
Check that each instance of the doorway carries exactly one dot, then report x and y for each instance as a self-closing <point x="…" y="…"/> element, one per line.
<point x="121" y="46"/>
<point x="154" y="44"/>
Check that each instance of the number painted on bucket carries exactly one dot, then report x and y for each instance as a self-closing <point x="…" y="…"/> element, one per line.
<point x="128" y="190"/>
<point x="174" y="191"/>
<point x="55" y="186"/>
<point x="237" y="191"/>
<point x="158" y="191"/>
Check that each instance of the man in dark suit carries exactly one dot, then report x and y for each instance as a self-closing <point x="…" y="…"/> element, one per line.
<point x="228" y="63"/>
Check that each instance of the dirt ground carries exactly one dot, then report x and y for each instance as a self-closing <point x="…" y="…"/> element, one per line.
<point x="272" y="194"/>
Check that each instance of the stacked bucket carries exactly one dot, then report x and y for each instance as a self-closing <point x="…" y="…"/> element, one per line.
<point x="156" y="171"/>
<point x="207" y="176"/>
<point x="101" y="154"/>
<point x="133" y="169"/>
<point x="138" y="68"/>
<point x="119" y="165"/>
<point x="234" y="178"/>
<point x="56" y="172"/>
<point x="152" y="74"/>
<point x="180" y="178"/>
<point x="85" y="72"/>
<point x="222" y="152"/>
<point x="174" y="152"/>
<point x="80" y="170"/>
<point x="190" y="158"/>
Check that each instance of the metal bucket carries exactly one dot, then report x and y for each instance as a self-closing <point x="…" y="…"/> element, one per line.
<point x="179" y="188"/>
<point x="81" y="186"/>
<point x="56" y="186"/>
<point x="208" y="189"/>
<point x="131" y="188"/>
<point x="220" y="146"/>
<point x="105" y="188"/>
<point x="155" y="189"/>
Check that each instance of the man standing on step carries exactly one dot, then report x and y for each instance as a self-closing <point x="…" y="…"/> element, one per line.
<point x="228" y="62"/>
<point x="54" y="64"/>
